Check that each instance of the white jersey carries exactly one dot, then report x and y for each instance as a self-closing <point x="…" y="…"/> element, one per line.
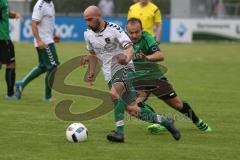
<point x="107" y="44"/>
<point x="44" y="13"/>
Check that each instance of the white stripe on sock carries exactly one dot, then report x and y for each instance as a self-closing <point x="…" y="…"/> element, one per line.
<point x="120" y="123"/>
<point x="159" y="118"/>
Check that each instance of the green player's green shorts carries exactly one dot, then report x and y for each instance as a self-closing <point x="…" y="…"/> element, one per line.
<point x="125" y="76"/>
<point x="47" y="57"/>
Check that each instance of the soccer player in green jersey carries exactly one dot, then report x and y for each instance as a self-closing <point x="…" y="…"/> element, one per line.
<point x="147" y="53"/>
<point x="7" y="53"/>
<point x="43" y="20"/>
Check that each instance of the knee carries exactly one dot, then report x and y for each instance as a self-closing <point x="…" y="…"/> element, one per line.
<point x="142" y="97"/>
<point x="116" y="92"/>
<point x="178" y="104"/>
<point x="175" y="103"/>
<point x="114" y="95"/>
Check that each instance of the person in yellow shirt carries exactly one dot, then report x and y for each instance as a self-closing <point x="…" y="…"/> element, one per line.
<point x="150" y="15"/>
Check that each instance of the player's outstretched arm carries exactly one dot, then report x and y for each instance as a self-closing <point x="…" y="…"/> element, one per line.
<point x="124" y="60"/>
<point x="156" y="56"/>
<point x="92" y="61"/>
<point x="36" y="34"/>
<point x="130" y="53"/>
<point x="159" y="32"/>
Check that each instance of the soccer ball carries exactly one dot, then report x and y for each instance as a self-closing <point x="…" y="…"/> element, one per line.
<point x="76" y="132"/>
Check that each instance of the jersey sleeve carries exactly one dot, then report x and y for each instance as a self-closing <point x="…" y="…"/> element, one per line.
<point x="122" y="37"/>
<point x="152" y="49"/>
<point x="37" y="13"/>
<point x="157" y="16"/>
<point x="88" y="44"/>
<point x="151" y="45"/>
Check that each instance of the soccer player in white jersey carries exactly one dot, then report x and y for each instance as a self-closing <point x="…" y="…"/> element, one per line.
<point x="43" y="20"/>
<point x="108" y="43"/>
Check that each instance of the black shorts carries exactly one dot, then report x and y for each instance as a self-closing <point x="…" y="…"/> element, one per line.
<point x="160" y="88"/>
<point x="7" y="53"/>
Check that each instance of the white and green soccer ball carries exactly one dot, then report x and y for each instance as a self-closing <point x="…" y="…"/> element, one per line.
<point x="77" y="132"/>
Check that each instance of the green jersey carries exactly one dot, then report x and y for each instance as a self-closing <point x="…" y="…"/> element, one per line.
<point x="4" y="20"/>
<point x="146" y="69"/>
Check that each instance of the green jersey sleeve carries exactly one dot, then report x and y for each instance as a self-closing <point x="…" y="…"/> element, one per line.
<point x="149" y="44"/>
<point x="146" y="69"/>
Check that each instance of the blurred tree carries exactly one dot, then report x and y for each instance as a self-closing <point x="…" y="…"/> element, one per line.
<point x="122" y="6"/>
<point x="70" y="6"/>
<point x="232" y="1"/>
<point x="163" y="5"/>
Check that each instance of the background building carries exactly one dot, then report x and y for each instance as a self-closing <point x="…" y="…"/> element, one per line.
<point x="22" y="6"/>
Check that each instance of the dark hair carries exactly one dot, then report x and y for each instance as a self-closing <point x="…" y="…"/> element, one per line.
<point x="134" y="20"/>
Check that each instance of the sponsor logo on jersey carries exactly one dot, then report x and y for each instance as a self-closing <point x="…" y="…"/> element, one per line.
<point x="108" y="40"/>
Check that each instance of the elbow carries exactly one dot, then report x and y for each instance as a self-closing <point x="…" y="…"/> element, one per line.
<point x="161" y="56"/>
<point x="92" y="58"/>
<point x="33" y="25"/>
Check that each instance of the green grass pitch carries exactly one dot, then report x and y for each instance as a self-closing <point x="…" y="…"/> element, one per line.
<point x="204" y="74"/>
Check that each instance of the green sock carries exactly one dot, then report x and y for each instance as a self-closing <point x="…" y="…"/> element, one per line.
<point x="119" y="107"/>
<point x="49" y="79"/>
<point x="148" y="115"/>
<point x="35" y="72"/>
<point x="149" y="107"/>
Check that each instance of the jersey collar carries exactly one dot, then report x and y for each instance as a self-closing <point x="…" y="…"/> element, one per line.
<point x="48" y="1"/>
<point x="105" y="26"/>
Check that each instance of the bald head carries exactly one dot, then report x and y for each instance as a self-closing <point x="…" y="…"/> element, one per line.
<point x="92" y="11"/>
<point x="93" y="16"/>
